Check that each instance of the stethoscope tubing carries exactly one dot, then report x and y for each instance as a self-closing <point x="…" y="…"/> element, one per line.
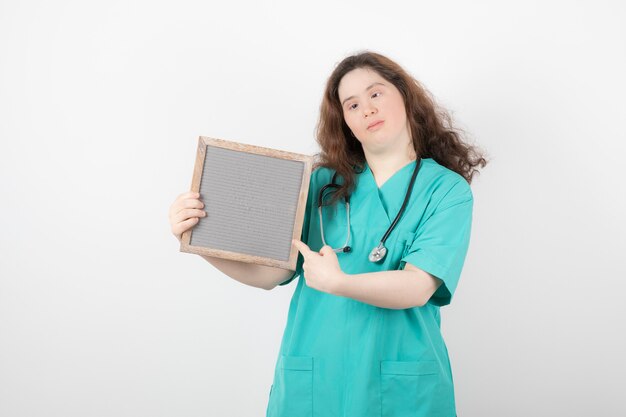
<point x="379" y="252"/>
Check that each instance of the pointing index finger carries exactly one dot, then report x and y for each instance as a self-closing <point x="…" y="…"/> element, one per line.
<point x="302" y="247"/>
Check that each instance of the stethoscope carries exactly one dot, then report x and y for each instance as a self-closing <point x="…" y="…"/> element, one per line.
<point x="379" y="252"/>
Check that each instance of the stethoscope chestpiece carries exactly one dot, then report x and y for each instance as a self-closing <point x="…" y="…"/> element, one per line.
<point x="347" y="249"/>
<point x="378" y="253"/>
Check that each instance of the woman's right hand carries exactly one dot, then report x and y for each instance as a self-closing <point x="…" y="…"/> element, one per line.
<point x="185" y="213"/>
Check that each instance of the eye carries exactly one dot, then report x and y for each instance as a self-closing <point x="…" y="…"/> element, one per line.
<point x="352" y="106"/>
<point x="376" y="94"/>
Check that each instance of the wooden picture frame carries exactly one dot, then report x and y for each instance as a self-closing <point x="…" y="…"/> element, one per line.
<point x="255" y="199"/>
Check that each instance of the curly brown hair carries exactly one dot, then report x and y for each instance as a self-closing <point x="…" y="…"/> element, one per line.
<point x="430" y="126"/>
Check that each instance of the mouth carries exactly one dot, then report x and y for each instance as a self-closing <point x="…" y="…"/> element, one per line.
<point x="375" y="125"/>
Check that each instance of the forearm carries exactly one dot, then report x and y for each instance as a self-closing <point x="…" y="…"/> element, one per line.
<point x="388" y="289"/>
<point x="259" y="276"/>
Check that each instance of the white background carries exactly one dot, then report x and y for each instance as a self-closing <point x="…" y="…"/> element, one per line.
<point x="101" y="105"/>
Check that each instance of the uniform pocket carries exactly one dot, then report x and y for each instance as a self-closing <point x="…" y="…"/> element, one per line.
<point x="292" y="391"/>
<point x="401" y="247"/>
<point x="406" y="241"/>
<point x="407" y="388"/>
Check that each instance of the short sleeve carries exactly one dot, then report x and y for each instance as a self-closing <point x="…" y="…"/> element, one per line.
<point x="304" y="236"/>
<point x="441" y="242"/>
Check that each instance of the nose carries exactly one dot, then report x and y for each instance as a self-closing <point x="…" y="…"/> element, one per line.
<point x="368" y="110"/>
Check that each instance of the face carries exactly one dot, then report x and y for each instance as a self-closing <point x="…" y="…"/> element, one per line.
<point x="373" y="109"/>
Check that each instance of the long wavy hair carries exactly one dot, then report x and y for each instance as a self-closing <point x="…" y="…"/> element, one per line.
<point x="430" y="126"/>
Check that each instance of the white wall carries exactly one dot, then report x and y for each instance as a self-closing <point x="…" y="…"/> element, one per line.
<point x="101" y="105"/>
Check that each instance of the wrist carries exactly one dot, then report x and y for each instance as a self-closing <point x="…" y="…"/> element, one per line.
<point x="341" y="283"/>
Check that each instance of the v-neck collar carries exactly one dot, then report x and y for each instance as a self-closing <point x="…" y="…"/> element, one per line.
<point x="394" y="177"/>
<point x="385" y="195"/>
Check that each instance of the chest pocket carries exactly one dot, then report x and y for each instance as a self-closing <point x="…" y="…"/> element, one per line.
<point x="401" y="247"/>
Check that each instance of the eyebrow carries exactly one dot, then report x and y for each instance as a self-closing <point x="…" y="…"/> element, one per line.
<point x="370" y="86"/>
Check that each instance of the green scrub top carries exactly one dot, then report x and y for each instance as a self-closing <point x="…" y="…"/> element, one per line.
<point x="340" y="357"/>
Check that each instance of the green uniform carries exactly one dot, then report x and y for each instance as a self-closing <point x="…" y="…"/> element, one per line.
<point x="340" y="357"/>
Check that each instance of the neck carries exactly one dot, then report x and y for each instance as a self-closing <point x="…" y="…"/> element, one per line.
<point x="384" y="166"/>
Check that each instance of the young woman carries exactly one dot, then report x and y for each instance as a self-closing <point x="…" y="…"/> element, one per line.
<point x="385" y="235"/>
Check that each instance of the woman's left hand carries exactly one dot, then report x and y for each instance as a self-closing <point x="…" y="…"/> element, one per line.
<point x="321" y="270"/>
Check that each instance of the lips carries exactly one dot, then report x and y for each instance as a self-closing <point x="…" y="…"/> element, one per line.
<point x="375" y="124"/>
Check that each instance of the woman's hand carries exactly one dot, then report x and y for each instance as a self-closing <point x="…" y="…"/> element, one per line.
<point x="185" y="213"/>
<point x="321" y="270"/>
